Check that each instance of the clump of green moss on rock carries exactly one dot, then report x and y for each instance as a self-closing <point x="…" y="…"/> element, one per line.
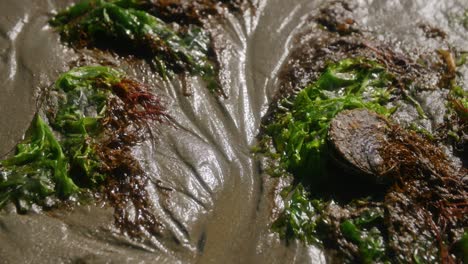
<point x="96" y="116"/>
<point x="37" y="172"/>
<point x="299" y="134"/>
<point x="120" y="26"/>
<point x="194" y="12"/>
<point x="394" y="221"/>
<point x="299" y="138"/>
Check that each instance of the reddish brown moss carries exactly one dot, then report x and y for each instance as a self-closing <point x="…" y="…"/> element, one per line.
<point x="125" y="125"/>
<point x="428" y="202"/>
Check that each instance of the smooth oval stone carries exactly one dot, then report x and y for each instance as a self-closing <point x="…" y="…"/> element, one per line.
<point x="356" y="138"/>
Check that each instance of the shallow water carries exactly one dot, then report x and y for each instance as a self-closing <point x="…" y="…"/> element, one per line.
<point x="220" y="205"/>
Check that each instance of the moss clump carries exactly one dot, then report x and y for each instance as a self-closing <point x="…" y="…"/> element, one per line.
<point x="98" y="115"/>
<point x="194" y="12"/>
<point x="362" y="231"/>
<point x="458" y="103"/>
<point x="101" y="116"/>
<point x="299" y="135"/>
<point x="301" y="216"/>
<point x="118" y="26"/>
<point x="37" y="171"/>
<point x="417" y="216"/>
<point x="314" y="221"/>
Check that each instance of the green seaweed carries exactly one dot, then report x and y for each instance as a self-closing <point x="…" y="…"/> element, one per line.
<point x="419" y="214"/>
<point x="101" y="116"/>
<point x="368" y="238"/>
<point x="97" y="116"/>
<point x="299" y="135"/>
<point x="39" y="169"/>
<point x="379" y="227"/>
<point x="78" y="117"/>
<point x="299" y="139"/>
<point x="119" y="26"/>
<point x="308" y="220"/>
<point x="83" y="103"/>
<point x="459" y="102"/>
<point x="194" y="12"/>
<point x="461" y="247"/>
<point x="455" y="128"/>
<point x="301" y="216"/>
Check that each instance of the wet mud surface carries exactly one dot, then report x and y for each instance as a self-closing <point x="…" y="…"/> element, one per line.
<point x="213" y="201"/>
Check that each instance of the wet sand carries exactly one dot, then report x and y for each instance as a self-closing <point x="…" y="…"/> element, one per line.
<point x="220" y="205"/>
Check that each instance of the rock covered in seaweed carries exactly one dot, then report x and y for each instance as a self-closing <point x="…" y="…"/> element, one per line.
<point x="299" y="135"/>
<point x="419" y="215"/>
<point x="125" y="27"/>
<point x="38" y="172"/>
<point x="187" y="12"/>
<point x="96" y="116"/>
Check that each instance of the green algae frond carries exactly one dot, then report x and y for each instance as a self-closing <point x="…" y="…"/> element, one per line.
<point x="98" y="116"/>
<point x="362" y="231"/>
<point x="299" y="135"/>
<point x="301" y="216"/>
<point x="459" y="102"/>
<point x="378" y="223"/>
<point x="85" y="90"/>
<point x="83" y="105"/>
<point x="120" y="26"/>
<point x="38" y="170"/>
<point x="299" y="138"/>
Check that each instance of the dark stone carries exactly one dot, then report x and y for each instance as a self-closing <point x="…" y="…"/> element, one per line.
<point x="356" y="138"/>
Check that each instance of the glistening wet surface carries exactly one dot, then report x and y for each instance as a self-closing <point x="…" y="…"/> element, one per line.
<point x="211" y="197"/>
